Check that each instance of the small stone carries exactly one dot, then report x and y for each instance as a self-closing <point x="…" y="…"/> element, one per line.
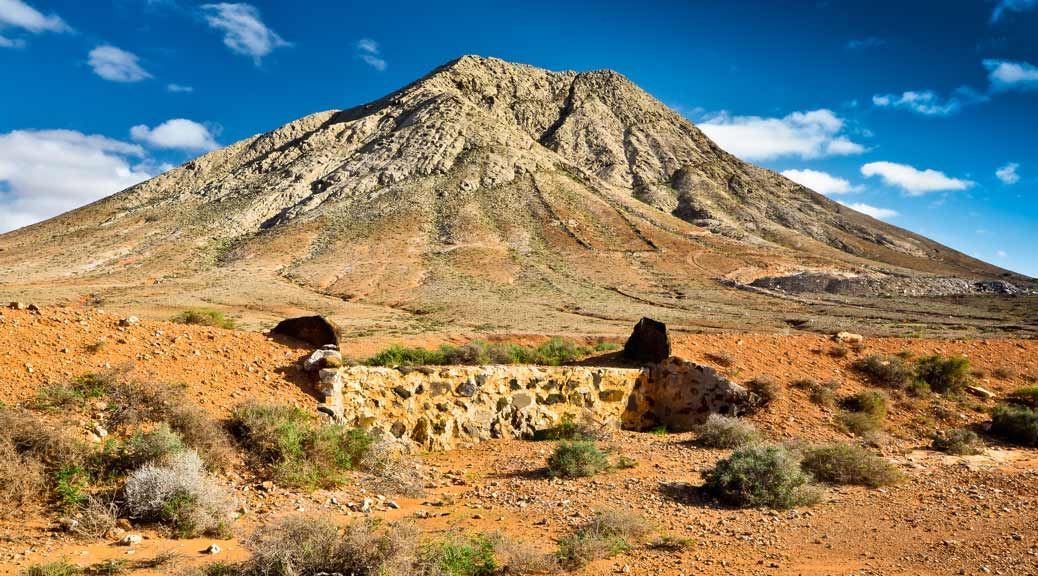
<point x="213" y="549"/>
<point x="130" y="321"/>
<point x="131" y="539"/>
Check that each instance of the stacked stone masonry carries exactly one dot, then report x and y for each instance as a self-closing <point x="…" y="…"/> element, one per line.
<point x="445" y="407"/>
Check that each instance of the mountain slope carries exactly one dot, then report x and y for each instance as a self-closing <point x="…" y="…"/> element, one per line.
<point x="486" y="195"/>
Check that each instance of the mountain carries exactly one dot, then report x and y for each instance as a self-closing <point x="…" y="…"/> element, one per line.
<point x="494" y="196"/>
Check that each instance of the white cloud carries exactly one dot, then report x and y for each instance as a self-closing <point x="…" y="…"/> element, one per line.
<point x="177" y="134"/>
<point x="47" y="172"/>
<point x="821" y="182"/>
<point x="116" y="65"/>
<point x="179" y="88"/>
<point x="244" y="30"/>
<point x="929" y="103"/>
<point x="874" y="211"/>
<point x="1006" y="75"/>
<point x="912" y="180"/>
<point x="1007" y="174"/>
<point x="369" y="51"/>
<point x="1001" y="254"/>
<point x="1012" y="6"/>
<point x="811" y="134"/>
<point x="18" y="14"/>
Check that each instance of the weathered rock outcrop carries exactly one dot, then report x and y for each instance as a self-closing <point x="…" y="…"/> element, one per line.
<point x="315" y="330"/>
<point x="648" y="342"/>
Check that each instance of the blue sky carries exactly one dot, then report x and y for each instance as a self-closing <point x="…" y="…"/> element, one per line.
<point x="922" y="113"/>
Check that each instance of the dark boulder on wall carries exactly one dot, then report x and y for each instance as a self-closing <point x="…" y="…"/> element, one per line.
<point x="316" y="330"/>
<point x="648" y="343"/>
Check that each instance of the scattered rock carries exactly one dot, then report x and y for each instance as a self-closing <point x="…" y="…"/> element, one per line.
<point x="130" y="321"/>
<point x="648" y="342"/>
<point x="980" y="392"/>
<point x="848" y="337"/>
<point x="212" y="549"/>
<point x="131" y="539"/>
<point x="316" y="330"/>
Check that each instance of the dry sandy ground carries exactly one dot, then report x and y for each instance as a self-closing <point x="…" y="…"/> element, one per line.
<point x="951" y="515"/>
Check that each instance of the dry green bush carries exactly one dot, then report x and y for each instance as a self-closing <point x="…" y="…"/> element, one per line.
<point x="1017" y="424"/>
<point x="761" y="475"/>
<point x="521" y="558"/>
<point x="848" y="464"/>
<point x="763" y="390"/>
<point x="724" y="432"/>
<point x="960" y="442"/>
<point x="944" y="374"/>
<point x="95" y="517"/>
<point x="608" y="533"/>
<point x="393" y="467"/>
<point x="21" y="479"/>
<point x="204" y="318"/>
<point x="887" y="371"/>
<point x="577" y="459"/>
<point x="1026" y="396"/>
<point x="300" y="451"/>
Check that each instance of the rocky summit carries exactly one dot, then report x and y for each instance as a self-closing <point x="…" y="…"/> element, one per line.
<point x="497" y="196"/>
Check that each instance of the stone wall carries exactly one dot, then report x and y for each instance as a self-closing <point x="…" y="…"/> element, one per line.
<point x="444" y="407"/>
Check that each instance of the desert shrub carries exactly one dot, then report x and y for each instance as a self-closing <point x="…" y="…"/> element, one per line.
<point x="301" y="546"/>
<point x="21" y="479"/>
<point x="870" y="402"/>
<point x="75" y="393"/>
<point x="181" y="495"/>
<point x="519" y="557"/>
<point x="569" y="428"/>
<point x="918" y="388"/>
<point x="70" y="484"/>
<point x="839" y="351"/>
<point x="144" y="447"/>
<point x="848" y="464"/>
<point x="765" y="475"/>
<point x="888" y="371"/>
<point x="608" y="533"/>
<point x="60" y="568"/>
<point x="1017" y="424"/>
<point x="392" y="466"/>
<point x="961" y="442"/>
<point x="763" y="390"/>
<point x="299" y="451"/>
<point x="204" y="318"/>
<point x="944" y="374"/>
<point x="95" y="516"/>
<point x="822" y="394"/>
<point x="864" y="413"/>
<point x="202" y="434"/>
<point x="1026" y="396"/>
<point x="32" y="438"/>
<point x="1003" y="373"/>
<point x="724" y="432"/>
<point x="553" y="352"/>
<point x="721" y="359"/>
<point x="132" y="403"/>
<point x="577" y="459"/>
<point x="470" y="555"/>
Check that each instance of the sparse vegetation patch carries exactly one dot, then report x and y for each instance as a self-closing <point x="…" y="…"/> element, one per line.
<point x="554" y="352"/>
<point x="849" y="464"/>
<point x="761" y="475"/>
<point x="212" y="318"/>
<point x="960" y="442"/>
<point x="724" y="432"/>
<point x="1017" y="424"/>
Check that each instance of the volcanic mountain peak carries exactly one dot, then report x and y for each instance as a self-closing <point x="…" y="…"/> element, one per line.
<point x="511" y="192"/>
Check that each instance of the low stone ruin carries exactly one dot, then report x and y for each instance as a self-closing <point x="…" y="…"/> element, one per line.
<point x="445" y="407"/>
